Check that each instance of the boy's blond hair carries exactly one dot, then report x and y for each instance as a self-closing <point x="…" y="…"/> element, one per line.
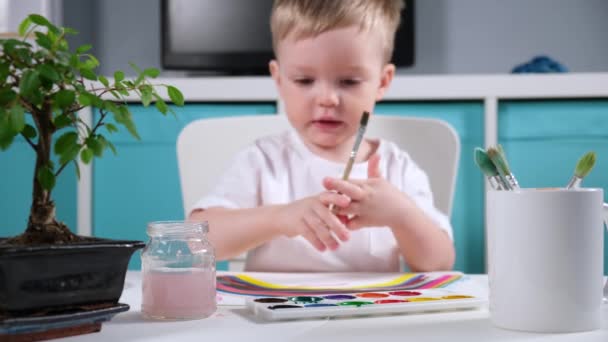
<point x="309" y="18"/>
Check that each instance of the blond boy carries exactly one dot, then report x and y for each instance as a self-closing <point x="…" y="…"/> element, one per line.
<point x="332" y="63"/>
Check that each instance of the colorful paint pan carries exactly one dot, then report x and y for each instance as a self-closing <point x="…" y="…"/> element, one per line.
<point x="284" y="306"/>
<point x="404" y="293"/>
<point x="422" y="299"/>
<point x="270" y="300"/>
<point x="456" y="297"/>
<point x="305" y="299"/>
<point x="317" y="305"/>
<point x="339" y="297"/>
<point x="354" y="303"/>
<point x="389" y="301"/>
<point x="373" y="295"/>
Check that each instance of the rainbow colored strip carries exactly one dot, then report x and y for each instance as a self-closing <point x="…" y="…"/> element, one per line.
<point x="245" y="285"/>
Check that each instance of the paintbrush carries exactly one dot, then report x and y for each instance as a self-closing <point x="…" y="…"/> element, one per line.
<point x="498" y="157"/>
<point x="353" y="152"/>
<point x="583" y="167"/>
<point x="488" y="168"/>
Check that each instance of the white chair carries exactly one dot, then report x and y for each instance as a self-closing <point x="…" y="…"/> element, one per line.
<point x="206" y="146"/>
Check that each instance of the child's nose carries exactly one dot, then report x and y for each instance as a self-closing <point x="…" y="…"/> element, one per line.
<point x="328" y="96"/>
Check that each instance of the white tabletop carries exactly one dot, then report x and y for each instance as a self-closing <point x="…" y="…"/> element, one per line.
<point x="232" y="323"/>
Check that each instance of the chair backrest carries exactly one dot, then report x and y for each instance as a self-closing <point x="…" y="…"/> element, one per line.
<point x="206" y="146"/>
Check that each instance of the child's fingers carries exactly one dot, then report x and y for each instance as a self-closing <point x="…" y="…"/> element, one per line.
<point x="332" y="223"/>
<point x="353" y="209"/>
<point x="355" y="223"/>
<point x="331" y="197"/>
<point x="348" y="188"/>
<point x="322" y="232"/>
<point x="313" y="239"/>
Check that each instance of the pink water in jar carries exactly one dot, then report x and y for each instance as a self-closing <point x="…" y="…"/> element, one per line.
<point x="178" y="294"/>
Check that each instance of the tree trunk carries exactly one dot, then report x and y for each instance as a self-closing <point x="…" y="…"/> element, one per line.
<point x="42" y="226"/>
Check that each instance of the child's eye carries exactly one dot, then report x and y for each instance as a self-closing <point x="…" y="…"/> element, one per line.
<point x="304" y="81"/>
<point x="349" y="82"/>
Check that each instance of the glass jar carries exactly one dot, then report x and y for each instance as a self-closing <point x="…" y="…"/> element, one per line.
<point x="178" y="271"/>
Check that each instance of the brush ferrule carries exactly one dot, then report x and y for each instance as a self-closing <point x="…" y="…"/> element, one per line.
<point x="495" y="182"/>
<point x="511" y="181"/>
<point x="575" y="182"/>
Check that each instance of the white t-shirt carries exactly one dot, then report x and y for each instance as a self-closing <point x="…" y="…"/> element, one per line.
<point x="281" y="169"/>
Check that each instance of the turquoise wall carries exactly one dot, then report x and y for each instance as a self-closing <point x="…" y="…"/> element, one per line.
<point x="543" y="141"/>
<point x="468" y="208"/>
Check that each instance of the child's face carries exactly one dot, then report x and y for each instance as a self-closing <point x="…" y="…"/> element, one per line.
<point x="327" y="81"/>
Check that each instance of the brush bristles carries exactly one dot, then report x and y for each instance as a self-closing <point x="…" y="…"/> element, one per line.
<point x="485" y="164"/>
<point x="364" y="119"/>
<point x="499" y="160"/>
<point x="584" y="165"/>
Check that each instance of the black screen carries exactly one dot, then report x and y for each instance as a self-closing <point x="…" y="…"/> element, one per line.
<point x="233" y="36"/>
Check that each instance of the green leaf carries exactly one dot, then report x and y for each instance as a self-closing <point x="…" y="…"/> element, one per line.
<point x="111" y="147"/>
<point x="24" y="26"/>
<point x="64" y="98"/>
<point x="48" y="72"/>
<point x="146" y="95"/>
<point x="29" y="83"/>
<point x="62" y="121"/>
<point x="70" y="30"/>
<point x="29" y="131"/>
<point x="77" y="169"/>
<point x="91" y="63"/>
<point x="151" y="72"/>
<point x="175" y="95"/>
<point x="88" y="99"/>
<point x="161" y="105"/>
<point x="6" y="134"/>
<point x="119" y="76"/>
<point x="7" y="96"/>
<point x="86" y="155"/>
<point x="65" y="142"/>
<point x="104" y="81"/>
<point x="111" y="127"/>
<point x="124" y="118"/>
<point x="70" y="154"/>
<point x="96" y="145"/>
<point x="43" y="40"/>
<point x="4" y="71"/>
<point x="42" y="21"/>
<point x="83" y="48"/>
<point x="39" y="20"/>
<point x="88" y="74"/>
<point x="16" y="119"/>
<point x="46" y="178"/>
<point x="137" y="69"/>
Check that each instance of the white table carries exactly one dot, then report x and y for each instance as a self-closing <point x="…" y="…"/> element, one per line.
<point x="234" y="323"/>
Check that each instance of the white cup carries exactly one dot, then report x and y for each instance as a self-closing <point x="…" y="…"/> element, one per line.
<point x="546" y="259"/>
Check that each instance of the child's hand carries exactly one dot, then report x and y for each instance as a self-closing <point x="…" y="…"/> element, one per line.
<point x="311" y="218"/>
<point x="374" y="201"/>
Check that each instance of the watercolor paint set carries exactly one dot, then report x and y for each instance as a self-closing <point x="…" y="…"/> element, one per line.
<point x="363" y="303"/>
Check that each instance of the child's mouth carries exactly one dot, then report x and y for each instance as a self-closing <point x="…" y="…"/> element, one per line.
<point x="327" y="124"/>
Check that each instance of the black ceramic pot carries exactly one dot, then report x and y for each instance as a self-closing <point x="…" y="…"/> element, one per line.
<point x="47" y="276"/>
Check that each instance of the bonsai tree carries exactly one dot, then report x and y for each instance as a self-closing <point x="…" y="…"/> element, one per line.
<point x="43" y="86"/>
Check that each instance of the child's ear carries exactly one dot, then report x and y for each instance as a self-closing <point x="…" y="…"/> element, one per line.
<point x="388" y="72"/>
<point x="273" y="66"/>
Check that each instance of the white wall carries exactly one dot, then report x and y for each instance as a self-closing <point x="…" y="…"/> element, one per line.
<point x="492" y="36"/>
<point x="452" y="36"/>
